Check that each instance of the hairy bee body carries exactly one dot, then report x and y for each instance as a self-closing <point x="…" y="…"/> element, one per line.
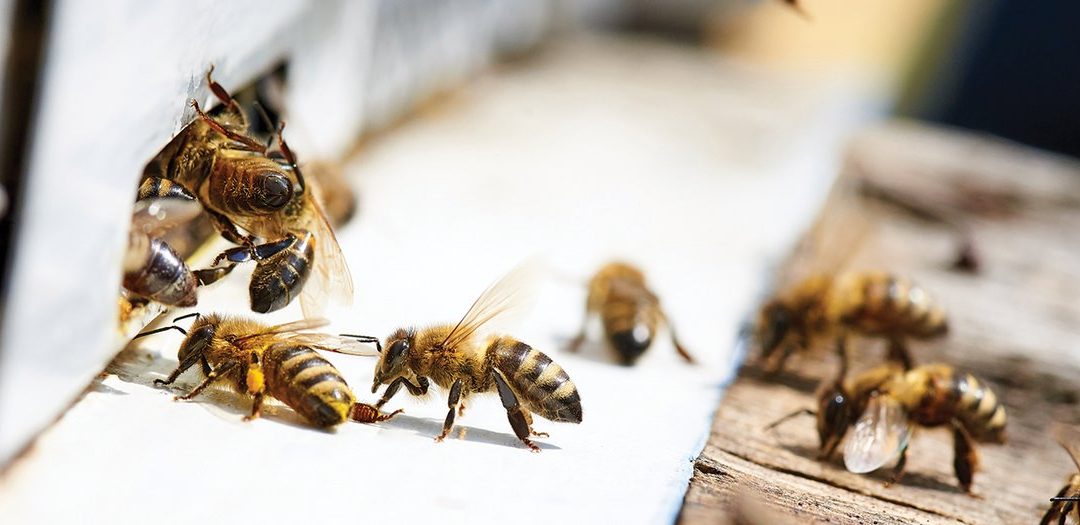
<point x="884" y="403"/>
<point x="629" y="311"/>
<point x="260" y="360"/>
<point x="307" y="383"/>
<point x="871" y="304"/>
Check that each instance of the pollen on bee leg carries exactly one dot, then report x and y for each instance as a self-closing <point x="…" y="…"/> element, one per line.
<point x="255" y="380"/>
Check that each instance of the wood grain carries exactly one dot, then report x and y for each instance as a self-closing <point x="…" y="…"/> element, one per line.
<point x="1015" y="323"/>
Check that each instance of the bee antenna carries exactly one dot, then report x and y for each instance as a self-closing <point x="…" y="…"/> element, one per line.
<point x="264" y="117"/>
<point x="159" y="330"/>
<point x="799" y="412"/>
<point x="289" y="156"/>
<point x="182" y="317"/>
<point x="366" y="339"/>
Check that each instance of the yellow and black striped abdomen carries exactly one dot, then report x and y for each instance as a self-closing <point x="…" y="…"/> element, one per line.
<point x="978" y="408"/>
<point x="279" y="278"/>
<point x="541" y="385"/>
<point x="307" y="383"/>
<point x="884" y="304"/>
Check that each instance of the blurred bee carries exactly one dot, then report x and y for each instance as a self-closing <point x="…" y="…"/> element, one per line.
<point x="152" y="269"/>
<point x="872" y="304"/>
<point x="457" y="359"/>
<point x="630" y="312"/>
<point x="277" y="361"/>
<point x="245" y="185"/>
<point x="1067" y="498"/>
<point x="883" y="405"/>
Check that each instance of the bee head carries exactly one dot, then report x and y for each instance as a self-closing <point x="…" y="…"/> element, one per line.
<point x="199" y="336"/>
<point x="272" y="190"/>
<point x="775" y="323"/>
<point x="392" y="360"/>
<point x="834" y="416"/>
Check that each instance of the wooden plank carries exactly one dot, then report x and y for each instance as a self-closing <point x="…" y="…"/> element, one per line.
<point x="1015" y="323"/>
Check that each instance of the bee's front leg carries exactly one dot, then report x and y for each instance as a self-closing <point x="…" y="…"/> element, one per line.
<point x="453" y="400"/>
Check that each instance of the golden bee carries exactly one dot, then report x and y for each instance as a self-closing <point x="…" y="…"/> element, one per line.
<point x="871" y="304"/>
<point x="629" y="310"/>
<point x="883" y="405"/>
<point x="245" y="185"/>
<point x="277" y="361"/>
<point x="1067" y="499"/>
<point x="152" y="269"/>
<point x="455" y="358"/>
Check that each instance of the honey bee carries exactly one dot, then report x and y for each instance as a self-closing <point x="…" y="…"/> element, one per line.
<point x="457" y="359"/>
<point x="152" y="269"/>
<point x="244" y="185"/>
<point x="884" y="404"/>
<point x="278" y="361"/>
<point x="871" y="304"/>
<point x="1066" y="499"/>
<point x="630" y="312"/>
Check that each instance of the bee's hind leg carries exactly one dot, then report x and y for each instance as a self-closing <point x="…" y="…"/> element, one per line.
<point x="966" y="458"/>
<point x="533" y="431"/>
<point x="899" y="353"/>
<point x="519" y="418"/>
<point x="898" y="470"/>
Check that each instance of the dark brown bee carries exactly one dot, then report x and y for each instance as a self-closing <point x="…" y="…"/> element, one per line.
<point x="883" y="405"/>
<point x="630" y="312"/>
<point x="152" y="269"/>
<point x="244" y="185"/>
<point x="1068" y="498"/>
<point x="277" y="361"/>
<point x="455" y="358"/>
<point x="871" y="304"/>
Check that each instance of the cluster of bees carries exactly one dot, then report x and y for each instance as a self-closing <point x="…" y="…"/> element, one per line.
<point x="257" y="198"/>
<point x="878" y="409"/>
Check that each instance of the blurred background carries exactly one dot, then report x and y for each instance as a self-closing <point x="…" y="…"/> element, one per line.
<point x="736" y="110"/>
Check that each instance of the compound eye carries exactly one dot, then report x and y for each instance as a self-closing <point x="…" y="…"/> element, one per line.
<point x="397" y="350"/>
<point x="276" y="190"/>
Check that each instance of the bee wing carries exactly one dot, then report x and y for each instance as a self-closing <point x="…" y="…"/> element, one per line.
<point x="836" y="237"/>
<point x="880" y="434"/>
<point x="156" y="215"/>
<point x="331" y="279"/>
<point x="333" y="343"/>
<point x="504" y="295"/>
<point x="295" y="326"/>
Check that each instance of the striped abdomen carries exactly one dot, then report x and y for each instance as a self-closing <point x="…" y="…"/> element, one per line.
<point x="950" y="394"/>
<point x="154" y="270"/>
<point x="307" y="383"/>
<point x="880" y="303"/>
<point x="539" y="383"/>
<point x="159" y="188"/>
<point x="277" y="279"/>
<point x="248" y="185"/>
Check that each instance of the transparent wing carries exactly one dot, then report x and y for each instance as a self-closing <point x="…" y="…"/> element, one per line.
<point x="331" y="279"/>
<point x="878" y="437"/>
<point x="156" y="215"/>
<point x="333" y="343"/>
<point x="835" y="239"/>
<point x="287" y="328"/>
<point x="508" y="293"/>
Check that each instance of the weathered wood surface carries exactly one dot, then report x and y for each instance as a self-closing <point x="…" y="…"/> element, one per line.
<point x="1015" y="323"/>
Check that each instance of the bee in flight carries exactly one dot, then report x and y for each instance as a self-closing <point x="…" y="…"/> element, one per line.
<point x="244" y="185"/>
<point x="1068" y="498"/>
<point x="883" y="405"/>
<point x="278" y="361"/>
<point x="871" y="304"/>
<point x="456" y="358"/>
<point x="630" y="312"/>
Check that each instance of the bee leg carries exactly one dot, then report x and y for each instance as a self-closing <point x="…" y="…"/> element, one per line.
<point x="213" y="375"/>
<point x="514" y="412"/>
<point x="774" y="365"/>
<point x="243" y="142"/>
<point x="532" y="431"/>
<point x="575" y="344"/>
<point x="452" y="401"/>
<point x="206" y="368"/>
<point x="228" y="230"/>
<point x="966" y="458"/>
<point x="461" y="410"/>
<point x="189" y="361"/>
<point x="256" y="407"/>
<point x="212" y="275"/>
<point x="220" y="92"/>
<point x="898" y="470"/>
<point x="679" y="347"/>
<point x="898" y="352"/>
<point x="842" y="353"/>
<point x="365" y="413"/>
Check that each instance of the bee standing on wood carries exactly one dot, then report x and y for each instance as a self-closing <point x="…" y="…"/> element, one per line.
<point x="278" y="361"/>
<point x="872" y="304"/>
<point x="244" y="185"/>
<point x="456" y="358"/>
<point x="884" y="404"/>
<point x="630" y="312"/>
<point x="1067" y="499"/>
